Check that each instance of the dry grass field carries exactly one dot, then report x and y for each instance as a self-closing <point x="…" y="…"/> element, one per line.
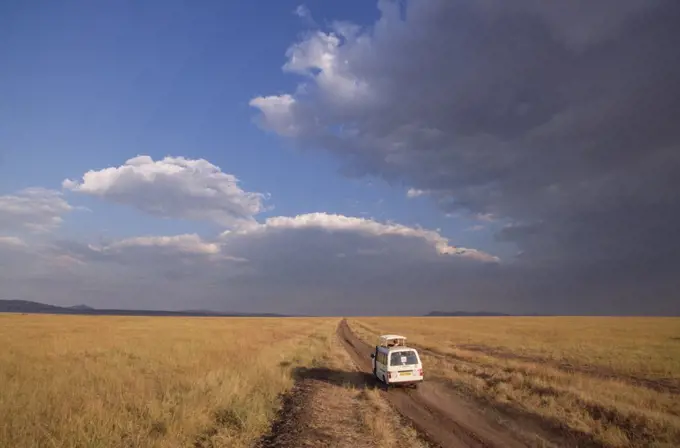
<point x="103" y="381"/>
<point x="81" y="381"/>
<point x="610" y="381"/>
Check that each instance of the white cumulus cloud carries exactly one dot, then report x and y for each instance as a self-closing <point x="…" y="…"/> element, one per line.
<point x="334" y="223"/>
<point x="173" y="187"/>
<point x="277" y="113"/>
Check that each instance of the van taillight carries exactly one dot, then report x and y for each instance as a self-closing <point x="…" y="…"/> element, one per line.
<point x="420" y="372"/>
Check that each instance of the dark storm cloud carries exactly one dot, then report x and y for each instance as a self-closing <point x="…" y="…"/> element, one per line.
<point x="558" y="116"/>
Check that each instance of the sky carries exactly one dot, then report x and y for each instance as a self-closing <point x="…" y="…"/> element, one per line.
<point x="355" y="158"/>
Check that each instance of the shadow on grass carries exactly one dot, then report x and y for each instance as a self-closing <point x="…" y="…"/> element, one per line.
<point x="341" y="378"/>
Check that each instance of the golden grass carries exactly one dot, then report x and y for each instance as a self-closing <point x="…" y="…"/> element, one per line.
<point x="611" y="380"/>
<point x="382" y="425"/>
<point x="80" y="381"/>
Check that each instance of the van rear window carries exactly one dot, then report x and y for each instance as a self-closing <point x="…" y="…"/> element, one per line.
<point x="403" y="358"/>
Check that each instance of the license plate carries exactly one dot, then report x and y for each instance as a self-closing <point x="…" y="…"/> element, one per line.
<point x="404" y="373"/>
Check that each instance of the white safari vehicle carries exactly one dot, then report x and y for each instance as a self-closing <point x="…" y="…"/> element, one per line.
<point x="396" y="364"/>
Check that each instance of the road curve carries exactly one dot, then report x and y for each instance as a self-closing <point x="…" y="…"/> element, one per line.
<point x="436" y="414"/>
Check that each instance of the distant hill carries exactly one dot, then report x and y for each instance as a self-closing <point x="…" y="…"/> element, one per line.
<point x="464" y="313"/>
<point x="25" y="306"/>
<point x="81" y="307"/>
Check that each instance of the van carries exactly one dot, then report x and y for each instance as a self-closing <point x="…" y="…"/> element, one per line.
<point x="394" y="363"/>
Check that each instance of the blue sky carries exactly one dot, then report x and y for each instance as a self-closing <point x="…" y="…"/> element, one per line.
<point x="488" y="108"/>
<point x="87" y="87"/>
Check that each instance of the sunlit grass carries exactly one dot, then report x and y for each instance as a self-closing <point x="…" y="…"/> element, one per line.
<point x="614" y="380"/>
<point x="648" y="347"/>
<point x="74" y="381"/>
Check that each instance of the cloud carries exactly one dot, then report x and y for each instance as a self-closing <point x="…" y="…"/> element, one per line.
<point x="559" y="118"/>
<point x="146" y="253"/>
<point x="12" y="242"/>
<point x="339" y="224"/>
<point x="287" y="264"/>
<point x="487" y="217"/>
<point x="34" y="209"/>
<point x="475" y="228"/>
<point x="555" y="121"/>
<point x="315" y="263"/>
<point x="278" y="115"/>
<point x="303" y="12"/>
<point x="174" y="187"/>
<point x="183" y="244"/>
<point x="414" y="193"/>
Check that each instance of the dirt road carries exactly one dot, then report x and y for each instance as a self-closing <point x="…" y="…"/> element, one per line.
<point x="332" y="405"/>
<point x="441" y="418"/>
<point x="341" y="404"/>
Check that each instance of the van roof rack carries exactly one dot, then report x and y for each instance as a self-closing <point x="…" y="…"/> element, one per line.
<point x="392" y="340"/>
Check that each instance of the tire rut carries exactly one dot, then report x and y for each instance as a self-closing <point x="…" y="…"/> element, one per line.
<point x="442" y="421"/>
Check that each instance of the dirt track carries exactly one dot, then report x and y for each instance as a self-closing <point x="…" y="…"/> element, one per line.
<point x="439" y="416"/>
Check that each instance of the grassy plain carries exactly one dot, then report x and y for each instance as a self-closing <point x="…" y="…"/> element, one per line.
<point x="82" y="381"/>
<point x="609" y="381"/>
